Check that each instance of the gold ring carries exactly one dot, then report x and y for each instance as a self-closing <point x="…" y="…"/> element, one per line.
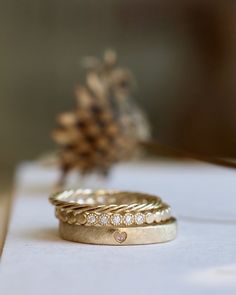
<point x="113" y="217"/>
<point x="135" y="235"/>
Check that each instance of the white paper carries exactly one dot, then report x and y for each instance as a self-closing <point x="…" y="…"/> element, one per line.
<point x="202" y="260"/>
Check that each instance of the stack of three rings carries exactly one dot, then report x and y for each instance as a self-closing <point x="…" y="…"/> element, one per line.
<point x="113" y="217"/>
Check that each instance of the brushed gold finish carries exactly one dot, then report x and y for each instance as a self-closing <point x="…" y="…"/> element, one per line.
<point x="135" y="235"/>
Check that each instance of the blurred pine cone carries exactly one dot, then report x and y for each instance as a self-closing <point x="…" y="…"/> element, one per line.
<point x="105" y="126"/>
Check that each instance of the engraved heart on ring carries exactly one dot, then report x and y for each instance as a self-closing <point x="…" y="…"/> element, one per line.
<point x="120" y="237"/>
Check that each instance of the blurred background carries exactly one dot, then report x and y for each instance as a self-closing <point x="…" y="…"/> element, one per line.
<point x="182" y="53"/>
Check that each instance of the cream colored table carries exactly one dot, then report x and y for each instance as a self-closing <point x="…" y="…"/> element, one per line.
<point x="202" y="260"/>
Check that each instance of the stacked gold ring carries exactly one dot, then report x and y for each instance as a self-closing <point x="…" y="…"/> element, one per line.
<point x="113" y="217"/>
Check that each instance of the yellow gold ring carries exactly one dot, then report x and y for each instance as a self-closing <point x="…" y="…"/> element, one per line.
<point x="113" y="217"/>
<point x="135" y="235"/>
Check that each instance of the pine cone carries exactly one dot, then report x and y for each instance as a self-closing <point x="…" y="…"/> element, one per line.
<point x="102" y="129"/>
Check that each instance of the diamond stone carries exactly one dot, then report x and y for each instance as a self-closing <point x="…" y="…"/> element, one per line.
<point x="128" y="219"/>
<point x="116" y="219"/>
<point x="92" y="218"/>
<point x="104" y="219"/>
<point x="139" y="218"/>
<point x="150" y="217"/>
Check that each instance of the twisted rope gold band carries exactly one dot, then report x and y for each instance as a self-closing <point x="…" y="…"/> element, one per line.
<point x="81" y="201"/>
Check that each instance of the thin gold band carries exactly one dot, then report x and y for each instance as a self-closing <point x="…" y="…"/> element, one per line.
<point x="104" y="200"/>
<point x="106" y="219"/>
<point x="135" y="235"/>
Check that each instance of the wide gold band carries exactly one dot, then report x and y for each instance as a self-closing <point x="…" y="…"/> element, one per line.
<point x="135" y="235"/>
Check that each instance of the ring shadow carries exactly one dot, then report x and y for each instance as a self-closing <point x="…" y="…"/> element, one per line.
<point x="47" y="235"/>
<point x="42" y="234"/>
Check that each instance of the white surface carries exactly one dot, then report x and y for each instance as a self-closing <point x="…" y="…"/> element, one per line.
<point x="202" y="260"/>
